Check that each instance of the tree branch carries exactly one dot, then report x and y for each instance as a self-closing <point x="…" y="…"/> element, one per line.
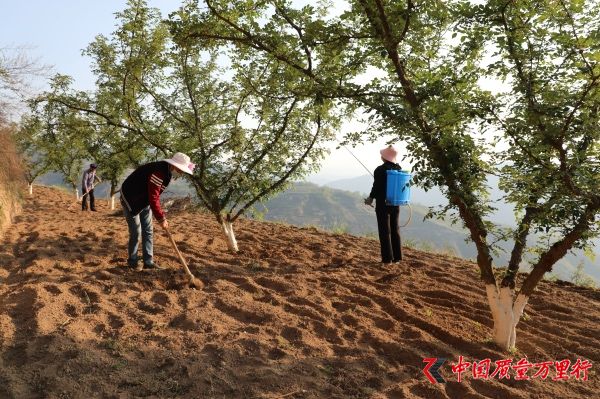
<point x="284" y="178"/>
<point x="560" y="248"/>
<point x="298" y="30"/>
<point x="110" y="121"/>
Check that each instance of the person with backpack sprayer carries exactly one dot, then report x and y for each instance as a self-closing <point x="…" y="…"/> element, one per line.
<point x="387" y="215"/>
<point x="87" y="187"/>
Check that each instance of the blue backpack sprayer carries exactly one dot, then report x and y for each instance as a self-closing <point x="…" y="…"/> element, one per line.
<point x="397" y="188"/>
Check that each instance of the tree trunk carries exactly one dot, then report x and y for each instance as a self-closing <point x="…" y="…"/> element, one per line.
<point x="506" y="314"/>
<point x="113" y="194"/>
<point x="77" y="194"/>
<point x="231" y="241"/>
<point x="30" y="188"/>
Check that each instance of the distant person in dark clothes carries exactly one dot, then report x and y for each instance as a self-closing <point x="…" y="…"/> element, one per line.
<point x="140" y="194"/>
<point x="87" y="187"/>
<point x="387" y="215"/>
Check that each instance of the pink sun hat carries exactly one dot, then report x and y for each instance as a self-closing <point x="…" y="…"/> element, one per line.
<point x="182" y="162"/>
<point x="389" y="154"/>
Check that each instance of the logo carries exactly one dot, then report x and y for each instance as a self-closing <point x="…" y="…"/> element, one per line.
<point x="432" y="368"/>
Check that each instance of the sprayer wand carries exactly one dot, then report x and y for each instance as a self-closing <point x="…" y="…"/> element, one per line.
<point x="358" y="160"/>
<point x="371" y="205"/>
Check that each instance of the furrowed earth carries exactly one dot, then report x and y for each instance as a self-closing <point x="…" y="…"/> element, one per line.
<point x="298" y="313"/>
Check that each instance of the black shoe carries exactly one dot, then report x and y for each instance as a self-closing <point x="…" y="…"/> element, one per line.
<point x="94" y="210"/>
<point x="152" y="266"/>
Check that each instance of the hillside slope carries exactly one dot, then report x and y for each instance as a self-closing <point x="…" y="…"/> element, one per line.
<point x="434" y="197"/>
<point x="298" y="314"/>
<point x="504" y="215"/>
<point x="11" y="178"/>
<point x="306" y="204"/>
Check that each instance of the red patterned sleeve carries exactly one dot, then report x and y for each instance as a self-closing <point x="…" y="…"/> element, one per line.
<point x="155" y="182"/>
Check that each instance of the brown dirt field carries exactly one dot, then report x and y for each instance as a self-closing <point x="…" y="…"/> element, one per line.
<point x="299" y="313"/>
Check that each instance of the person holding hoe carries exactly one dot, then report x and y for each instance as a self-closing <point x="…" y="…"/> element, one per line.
<point x="140" y="194"/>
<point x="87" y="187"/>
<point x="387" y="215"/>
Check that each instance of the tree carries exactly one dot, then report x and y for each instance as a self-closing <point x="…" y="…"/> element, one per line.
<point x="54" y="137"/>
<point x="550" y="51"/>
<point x="16" y="72"/>
<point x="581" y="279"/>
<point x="58" y="133"/>
<point x="413" y="68"/>
<point x="114" y="151"/>
<point x="34" y="157"/>
<point x="246" y="139"/>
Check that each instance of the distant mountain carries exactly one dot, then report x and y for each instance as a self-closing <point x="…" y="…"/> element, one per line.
<point x="306" y="204"/>
<point x="434" y="197"/>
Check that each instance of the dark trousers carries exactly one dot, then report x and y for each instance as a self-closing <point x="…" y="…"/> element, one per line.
<point x="389" y="233"/>
<point x="84" y="200"/>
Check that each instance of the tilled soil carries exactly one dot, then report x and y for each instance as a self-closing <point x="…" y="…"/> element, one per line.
<point x="298" y="313"/>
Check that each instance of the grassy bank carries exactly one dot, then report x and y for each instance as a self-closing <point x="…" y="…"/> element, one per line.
<point x="11" y="179"/>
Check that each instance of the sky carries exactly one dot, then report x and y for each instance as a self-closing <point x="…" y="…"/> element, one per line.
<point x="55" y="33"/>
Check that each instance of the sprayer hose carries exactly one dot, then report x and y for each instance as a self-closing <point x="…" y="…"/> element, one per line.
<point x="409" y="216"/>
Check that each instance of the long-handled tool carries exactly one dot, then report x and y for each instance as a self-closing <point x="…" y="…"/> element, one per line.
<point x="84" y="194"/>
<point x="370" y="204"/>
<point x="363" y="165"/>
<point x="193" y="280"/>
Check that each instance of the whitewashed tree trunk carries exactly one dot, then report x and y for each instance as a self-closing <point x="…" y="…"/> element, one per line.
<point x="77" y="194"/>
<point x="231" y="241"/>
<point x="112" y="202"/>
<point x="30" y="188"/>
<point x="506" y="314"/>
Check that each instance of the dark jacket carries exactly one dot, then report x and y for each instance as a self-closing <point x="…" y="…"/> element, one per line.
<point x="380" y="183"/>
<point x="87" y="181"/>
<point x="144" y="186"/>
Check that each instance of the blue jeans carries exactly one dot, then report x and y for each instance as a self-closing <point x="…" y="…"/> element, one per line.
<point x="140" y="223"/>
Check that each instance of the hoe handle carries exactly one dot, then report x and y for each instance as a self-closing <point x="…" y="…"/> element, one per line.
<point x="181" y="258"/>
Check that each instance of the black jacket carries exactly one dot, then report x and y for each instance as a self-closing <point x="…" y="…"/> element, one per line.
<point x="144" y="186"/>
<point x="380" y="183"/>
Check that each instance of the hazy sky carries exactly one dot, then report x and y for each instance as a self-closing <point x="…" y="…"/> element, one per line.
<point x="56" y="32"/>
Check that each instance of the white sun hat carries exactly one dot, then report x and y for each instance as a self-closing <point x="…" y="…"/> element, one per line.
<point x="182" y="162"/>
